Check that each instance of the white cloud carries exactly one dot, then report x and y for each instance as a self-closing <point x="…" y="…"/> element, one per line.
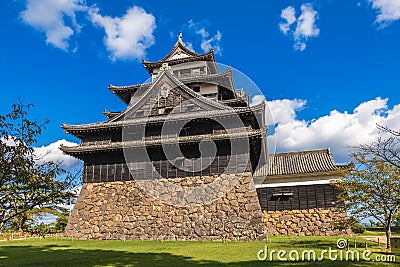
<point x="126" y="37"/>
<point x="53" y="153"/>
<point x="129" y="36"/>
<point x="279" y="111"/>
<point x="207" y="41"/>
<point x="337" y="130"/>
<point x="189" y="46"/>
<point x="305" y="25"/>
<point x="257" y="99"/>
<point x="289" y="15"/>
<point x="212" y="43"/>
<point x="388" y="10"/>
<point x="56" y="18"/>
<point x="8" y="141"/>
<point x="284" y="111"/>
<point x="203" y="33"/>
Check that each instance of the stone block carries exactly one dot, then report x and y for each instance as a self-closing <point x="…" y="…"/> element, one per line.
<point x="305" y="222"/>
<point x="120" y="210"/>
<point x="252" y="206"/>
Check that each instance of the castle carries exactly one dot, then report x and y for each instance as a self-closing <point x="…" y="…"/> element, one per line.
<point x="187" y="160"/>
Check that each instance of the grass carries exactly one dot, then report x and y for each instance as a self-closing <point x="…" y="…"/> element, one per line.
<point x="65" y="252"/>
<point x="379" y="233"/>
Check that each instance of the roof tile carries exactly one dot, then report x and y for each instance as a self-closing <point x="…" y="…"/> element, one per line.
<point x="299" y="162"/>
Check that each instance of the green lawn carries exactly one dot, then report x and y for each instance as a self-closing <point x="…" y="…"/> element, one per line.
<point x="379" y="233"/>
<point x="63" y="252"/>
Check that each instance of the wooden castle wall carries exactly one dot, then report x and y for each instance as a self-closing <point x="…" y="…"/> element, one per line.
<point x="299" y="197"/>
<point x="111" y="172"/>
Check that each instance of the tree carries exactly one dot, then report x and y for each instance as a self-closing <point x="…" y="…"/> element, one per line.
<point x="386" y="146"/>
<point x="371" y="222"/>
<point x="61" y="221"/>
<point x="41" y="229"/>
<point x="372" y="188"/>
<point x="26" y="182"/>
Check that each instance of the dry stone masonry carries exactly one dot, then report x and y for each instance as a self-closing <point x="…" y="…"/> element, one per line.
<point x="121" y="210"/>
<point x="311" y="222"/>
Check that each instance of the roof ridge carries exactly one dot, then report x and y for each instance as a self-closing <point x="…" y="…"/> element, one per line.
<point x="304" y="152"/>
<point x="111" y="86"/>
<point x="300" y="162"/>
<point x="211" y="52"/>
<point x="220" y="74"/>
<point x="158" y="118"/>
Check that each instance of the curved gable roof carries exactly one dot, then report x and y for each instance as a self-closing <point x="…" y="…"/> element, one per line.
<point x="178" y="55"/>
<point x="165" y="75"/>
<point x="179" y="51"/>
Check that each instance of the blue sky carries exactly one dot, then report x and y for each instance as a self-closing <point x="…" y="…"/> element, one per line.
<point x="329" y="69"/>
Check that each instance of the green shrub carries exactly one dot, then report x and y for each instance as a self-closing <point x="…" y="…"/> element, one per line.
<point x="357" y="228"/>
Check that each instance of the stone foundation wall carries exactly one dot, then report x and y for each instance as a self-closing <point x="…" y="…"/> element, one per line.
<point x="312" y="222"/>
<point x="122" y="210"/>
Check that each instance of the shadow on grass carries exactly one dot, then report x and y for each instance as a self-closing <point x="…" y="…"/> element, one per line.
<point x="64" y="255"/>
<point x="313" y="243"/>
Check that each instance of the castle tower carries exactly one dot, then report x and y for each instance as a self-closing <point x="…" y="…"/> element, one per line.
<point x="177" y="163"/>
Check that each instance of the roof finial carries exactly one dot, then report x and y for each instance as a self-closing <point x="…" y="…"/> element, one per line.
<point x="180" y="39"/>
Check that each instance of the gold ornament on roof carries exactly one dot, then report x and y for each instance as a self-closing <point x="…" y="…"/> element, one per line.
<point x="165" y="67"/>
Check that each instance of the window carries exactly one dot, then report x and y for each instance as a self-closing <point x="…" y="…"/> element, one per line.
<point x="133" y="166"/>
<point x="168" y="110"/>
<point x="134" y="136"/>
<point x="185" y="73"/>
<point x="284" y="196"/>
<point x="178" y="163"/>
<point x="195" y="72"/>
<point x="196" y="89"/>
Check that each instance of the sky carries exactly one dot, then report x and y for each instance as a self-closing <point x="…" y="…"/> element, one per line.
<point x="327" y="68"/>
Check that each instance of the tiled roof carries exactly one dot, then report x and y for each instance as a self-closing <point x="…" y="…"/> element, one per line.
<point x="216" y="78"/>
<point x="199" y="57"/>
<point x="179" y="51"/>
<point x="125" y="92"/>
<point x="153" y="119"/>
<point x="299" y="162"/>
<point x="104" y="145"/>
